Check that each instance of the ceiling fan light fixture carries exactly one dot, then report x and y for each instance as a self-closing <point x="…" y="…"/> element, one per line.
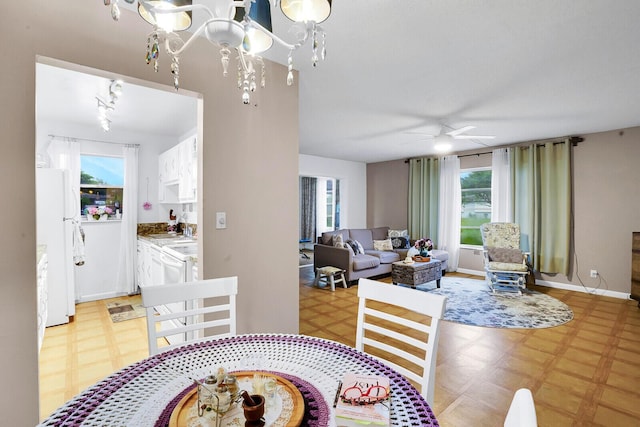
<point x="167" y="21"/>
<point x="443" y="143"/>
<point x="443" y="147"/>
<point x="306" y="10"/>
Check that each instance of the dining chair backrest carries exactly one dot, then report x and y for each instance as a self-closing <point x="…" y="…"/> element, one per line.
<point x="402" y="332"/>
<point x="185" y="313"/>
<point x="522" y="411"/>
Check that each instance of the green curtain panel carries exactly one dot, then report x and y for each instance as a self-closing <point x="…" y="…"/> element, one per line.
<point x="541" y="178"/>
<point x="424" y="191"/>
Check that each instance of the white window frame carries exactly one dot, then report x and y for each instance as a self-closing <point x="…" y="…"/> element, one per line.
<point x="467" y="170"/>
<point x="82" y="186"/>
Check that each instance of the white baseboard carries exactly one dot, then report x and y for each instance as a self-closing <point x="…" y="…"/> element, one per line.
<point x="96" y="297"/>
<point x="565" y="286"/>
<point x="584" y="289"/>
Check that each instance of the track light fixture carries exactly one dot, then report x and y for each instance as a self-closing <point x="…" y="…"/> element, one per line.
<point x="105" y="107"/>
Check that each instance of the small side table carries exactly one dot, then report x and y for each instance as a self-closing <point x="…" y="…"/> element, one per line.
<point x="330" y="275"/>
<point x="417" y="273"/>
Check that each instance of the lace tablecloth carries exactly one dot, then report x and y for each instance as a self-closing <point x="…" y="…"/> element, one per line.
<point x="145" y="393"/>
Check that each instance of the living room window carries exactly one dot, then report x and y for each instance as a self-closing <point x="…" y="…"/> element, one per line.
<point x="101" y="183"/>
<point x="475" y="187"/>
<point x="328" y="204"/>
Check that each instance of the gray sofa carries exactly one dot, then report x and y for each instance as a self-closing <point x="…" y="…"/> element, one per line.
<point x="371" y="263"/>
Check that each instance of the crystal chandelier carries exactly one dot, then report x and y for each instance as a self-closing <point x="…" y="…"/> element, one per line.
<point x="240" y="26"/>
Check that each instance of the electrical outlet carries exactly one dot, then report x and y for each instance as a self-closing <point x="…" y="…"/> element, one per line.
<point x="594" y="273"/>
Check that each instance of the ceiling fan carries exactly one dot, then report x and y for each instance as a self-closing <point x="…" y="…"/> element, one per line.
<point x="444" y="140"/>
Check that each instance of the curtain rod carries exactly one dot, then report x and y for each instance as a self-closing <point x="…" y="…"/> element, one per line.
<point x="574" y="140"/>
<point x="91" y="140"/>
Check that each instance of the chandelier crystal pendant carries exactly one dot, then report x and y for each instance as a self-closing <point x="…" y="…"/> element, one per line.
<point x="240" y="25"/>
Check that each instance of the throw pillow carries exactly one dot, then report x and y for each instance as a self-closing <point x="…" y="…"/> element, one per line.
<point x="400" y="242"/>
<point x="383" y="245"/>
<point x="354" y="246"/>
<point x="360" y="248"/>
<point x="337" y="240"/>
<point x="399" y="233"/>
<point x="505" y="255"/>
<point x="347" y="246"/>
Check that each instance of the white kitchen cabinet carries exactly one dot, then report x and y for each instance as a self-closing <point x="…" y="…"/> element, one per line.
<point x="169" y="165"/>
<point x="143" y="268"/>
<point x="187" y="176"/>
<point x="157" y="269"/>
<point x="42" y="298"/>
<point x="178" y="173"/>
<point x="149" y="268"/>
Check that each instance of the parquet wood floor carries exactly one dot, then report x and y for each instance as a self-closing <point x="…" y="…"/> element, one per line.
<point x="586" y="372"/>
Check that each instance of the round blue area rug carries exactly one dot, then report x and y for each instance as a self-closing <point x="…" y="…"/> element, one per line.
<point x="471" y="302"/>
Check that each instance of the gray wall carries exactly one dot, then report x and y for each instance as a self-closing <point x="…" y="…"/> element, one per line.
<point x="606" y="206"/>
<point x="249" y="170"/>
<point x="387" y="190"/>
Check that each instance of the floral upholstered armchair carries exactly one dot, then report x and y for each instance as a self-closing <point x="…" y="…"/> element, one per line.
<point x="507" y="266"/>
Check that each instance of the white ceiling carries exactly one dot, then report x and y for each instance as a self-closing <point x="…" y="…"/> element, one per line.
<point x="68" y="96"/>
<point x="519" y="69"/>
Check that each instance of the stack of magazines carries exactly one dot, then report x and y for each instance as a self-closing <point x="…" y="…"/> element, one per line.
<point x="363" y="400"/>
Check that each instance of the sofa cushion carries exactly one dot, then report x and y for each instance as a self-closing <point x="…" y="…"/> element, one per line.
<point x="507" y="266"/>
<point x="362" y="262"/>
<point x="337" y="240"/>
<point x="399" y="233"/>
<point x="379" y="233"/>
<point x="401" y="242"/>
<point x="382" y="245"/>
<point x="505" y="255"/>
<point x="327" y="236"/>
<point x="364" y="236"/>
<point x="385" y="257"/>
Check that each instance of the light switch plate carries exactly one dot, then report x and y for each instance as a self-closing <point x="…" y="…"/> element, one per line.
<point x="221" y="220"/>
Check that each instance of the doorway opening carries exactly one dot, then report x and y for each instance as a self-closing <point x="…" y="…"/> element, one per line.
<point x="148" y="116"/>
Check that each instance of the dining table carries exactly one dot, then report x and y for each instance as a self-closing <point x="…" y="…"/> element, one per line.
<point x="148" y="392"/>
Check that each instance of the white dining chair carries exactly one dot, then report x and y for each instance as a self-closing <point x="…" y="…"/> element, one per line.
<point x="185" y="313"/>
<point x="410" y="338"/>
<point x="522" y="411"/>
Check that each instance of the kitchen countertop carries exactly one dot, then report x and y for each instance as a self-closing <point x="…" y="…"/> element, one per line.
<point x="164" y="239"/>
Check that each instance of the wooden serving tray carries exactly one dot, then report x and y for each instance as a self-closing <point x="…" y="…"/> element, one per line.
<point x="182" y="413"/>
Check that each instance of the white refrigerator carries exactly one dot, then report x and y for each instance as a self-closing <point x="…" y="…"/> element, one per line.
<point x="54" y="210"/>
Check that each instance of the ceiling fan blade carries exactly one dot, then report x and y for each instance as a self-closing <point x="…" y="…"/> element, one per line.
<point x="417" y="132"/>
<point x="474" y="137"/>
<point x="457" y="132"/>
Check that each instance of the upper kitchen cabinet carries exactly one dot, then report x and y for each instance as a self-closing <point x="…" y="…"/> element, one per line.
<point x="188" y="170"/>
<point x="177" y="173"/>
<point x="169" y="165"/>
